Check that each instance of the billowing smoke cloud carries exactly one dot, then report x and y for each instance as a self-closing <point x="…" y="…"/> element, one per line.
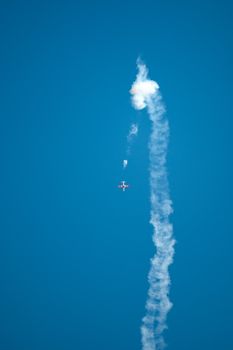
<point x="142" y="88"/>
<point x="145" y="93"/>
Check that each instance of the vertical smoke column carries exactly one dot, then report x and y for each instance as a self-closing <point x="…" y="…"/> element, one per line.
<point x="145" y="93"/>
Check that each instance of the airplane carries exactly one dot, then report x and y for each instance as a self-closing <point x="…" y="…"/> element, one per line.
<point x="123" y="185"/>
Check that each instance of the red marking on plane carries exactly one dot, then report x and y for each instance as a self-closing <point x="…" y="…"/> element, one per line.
<point x="123" y="186"/>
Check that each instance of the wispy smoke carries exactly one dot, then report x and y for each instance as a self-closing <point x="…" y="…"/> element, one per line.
<point x="133" y="131"/>
<point x="145" y="93"/>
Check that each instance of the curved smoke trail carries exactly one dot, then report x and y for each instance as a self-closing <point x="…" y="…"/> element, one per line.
<point x="145" y="93"/>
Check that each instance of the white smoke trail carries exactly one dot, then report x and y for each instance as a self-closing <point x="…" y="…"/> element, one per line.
<point x="145" y="93"/>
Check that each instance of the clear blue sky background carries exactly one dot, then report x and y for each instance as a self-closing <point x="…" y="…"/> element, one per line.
<point x="74" y="250"/>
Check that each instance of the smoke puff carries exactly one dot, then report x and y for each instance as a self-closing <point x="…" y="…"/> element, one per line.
<point x="142" y="88"/>
<point x="125" y="163"/>
<point x="145" y="88"/>
<point x="138" y="101"/>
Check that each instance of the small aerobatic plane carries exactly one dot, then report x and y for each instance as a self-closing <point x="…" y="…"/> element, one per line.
<point x="123" y="185"/>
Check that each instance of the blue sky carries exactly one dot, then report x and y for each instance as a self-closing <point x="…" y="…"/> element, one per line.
<point x="74" y="251"/>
